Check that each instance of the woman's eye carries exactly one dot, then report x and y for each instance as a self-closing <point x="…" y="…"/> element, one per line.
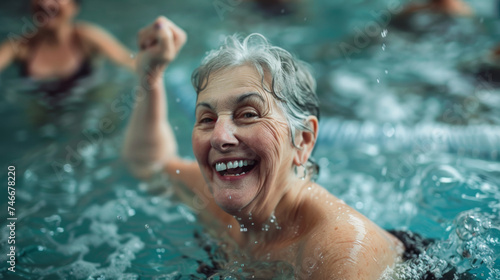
<point x="206" y="120"/>
<point x="250" y="115"/>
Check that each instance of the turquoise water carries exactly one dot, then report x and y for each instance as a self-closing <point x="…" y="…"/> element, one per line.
<point x="82" y="216"/>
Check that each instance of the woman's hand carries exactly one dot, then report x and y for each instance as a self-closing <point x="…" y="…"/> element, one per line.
<point x="159" y="44"/>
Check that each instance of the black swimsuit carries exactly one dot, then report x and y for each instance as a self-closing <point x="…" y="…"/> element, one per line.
<point x="55" y="90"/>
<point x="415" y="245"/>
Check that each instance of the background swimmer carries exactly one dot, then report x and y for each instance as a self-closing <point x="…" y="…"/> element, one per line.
<point x="58" y="61"/>
<point x="61" y="48"/>
<point x="450" y="7"/>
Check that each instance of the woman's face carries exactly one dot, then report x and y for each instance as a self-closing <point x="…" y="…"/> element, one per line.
<point x="52" y="13"/>
<point x="241" y="141"/>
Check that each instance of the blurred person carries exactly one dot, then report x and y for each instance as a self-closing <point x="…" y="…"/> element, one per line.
<point x="60" y="51"/>
<point x="449" y="7"/>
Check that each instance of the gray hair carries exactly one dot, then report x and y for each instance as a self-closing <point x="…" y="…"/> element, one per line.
<point x="292" y="85"/>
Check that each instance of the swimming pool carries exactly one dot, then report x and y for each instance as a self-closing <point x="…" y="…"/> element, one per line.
<point x="81" y="215"/>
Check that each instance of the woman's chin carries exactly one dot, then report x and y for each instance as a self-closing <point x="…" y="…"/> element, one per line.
<point x="51" y="25"/>
<point x="231" y="202"/>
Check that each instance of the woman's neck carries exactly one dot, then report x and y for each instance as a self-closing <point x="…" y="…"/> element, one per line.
<point x="59" y="35"/>
<point x="279" y="226"/>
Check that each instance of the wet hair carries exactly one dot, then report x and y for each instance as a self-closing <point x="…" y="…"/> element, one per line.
<point x="293" y="85"/>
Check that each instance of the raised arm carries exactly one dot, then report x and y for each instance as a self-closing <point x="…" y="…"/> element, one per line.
<point x="107" y="44"/>
<point x="150" y="144"/>
<point x="149" y="140"/>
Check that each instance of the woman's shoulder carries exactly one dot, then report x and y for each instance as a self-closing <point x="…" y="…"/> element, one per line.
<point x="91" y="35"/>
<point x="344" y="241"/>
<point x="87" y="29"/>
<point x="18" y="48"/>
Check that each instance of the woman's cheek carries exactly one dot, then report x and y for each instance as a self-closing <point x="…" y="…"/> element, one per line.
<point x="200" y="146"/>
<point x="270" y="143"/>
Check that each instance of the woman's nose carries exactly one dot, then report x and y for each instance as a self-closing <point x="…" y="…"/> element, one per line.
<point x="223" y="138"/>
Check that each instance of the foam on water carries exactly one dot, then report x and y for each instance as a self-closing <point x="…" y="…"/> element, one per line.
<point x="88" y="219"/>
<point x="452" y="200"/>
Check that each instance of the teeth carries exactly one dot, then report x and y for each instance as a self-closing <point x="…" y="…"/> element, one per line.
<point x="233" y="164"/>
<point x="242" y="173"/>
<point x="220" y="166"/>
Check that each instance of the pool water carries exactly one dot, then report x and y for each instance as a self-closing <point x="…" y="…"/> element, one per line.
<point x="81" y="215"/>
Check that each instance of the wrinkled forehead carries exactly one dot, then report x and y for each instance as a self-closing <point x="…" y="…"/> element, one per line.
<point x="54" y="2"/>
<point x="236" y="79"/>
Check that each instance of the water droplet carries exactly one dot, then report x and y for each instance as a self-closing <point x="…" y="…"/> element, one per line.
<point x="229" y="197"/>
<point x="177" y="171"/>
<point x="384" y="33"/>
<point x="229" y="226"/>
<point x="383" y="47"/>
<point x="67" y="167"/>
<point x="359" y="205"/>
<point x="146" y="226"/>
<point x="131" y="212"/>
<point x="388" y="129"/>
<point x="378" y="81"/>
<point x="119" y="217"/>
<point x="384" y="171"/>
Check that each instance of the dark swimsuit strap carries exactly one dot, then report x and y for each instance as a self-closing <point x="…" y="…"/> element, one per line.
<point x="79" y="45"/>
<point x="54" y="91"/>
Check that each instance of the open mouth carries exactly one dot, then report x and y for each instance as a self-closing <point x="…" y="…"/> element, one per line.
<point x="235" y="168"/>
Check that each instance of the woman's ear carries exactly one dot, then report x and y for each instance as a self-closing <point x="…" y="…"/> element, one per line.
<point x="305" y="141"/>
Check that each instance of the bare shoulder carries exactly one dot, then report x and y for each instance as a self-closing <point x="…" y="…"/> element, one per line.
<point x="85" y="26"/>
<point x="15" y="48"/>
<point x="89" y="30"/>
<point x="345" y="245"/>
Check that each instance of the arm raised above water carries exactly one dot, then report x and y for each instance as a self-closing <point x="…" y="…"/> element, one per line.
<point x="149" y="140"/>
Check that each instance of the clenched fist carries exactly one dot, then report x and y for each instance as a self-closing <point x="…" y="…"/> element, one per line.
<point x="159" y="44"/>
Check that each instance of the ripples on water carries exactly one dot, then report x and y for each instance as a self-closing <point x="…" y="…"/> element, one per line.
<point x="451" y="199"/>
<point x="91" y="220"/>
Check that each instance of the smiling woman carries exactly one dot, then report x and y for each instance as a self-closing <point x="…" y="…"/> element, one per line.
<point x="256" y="126"/>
